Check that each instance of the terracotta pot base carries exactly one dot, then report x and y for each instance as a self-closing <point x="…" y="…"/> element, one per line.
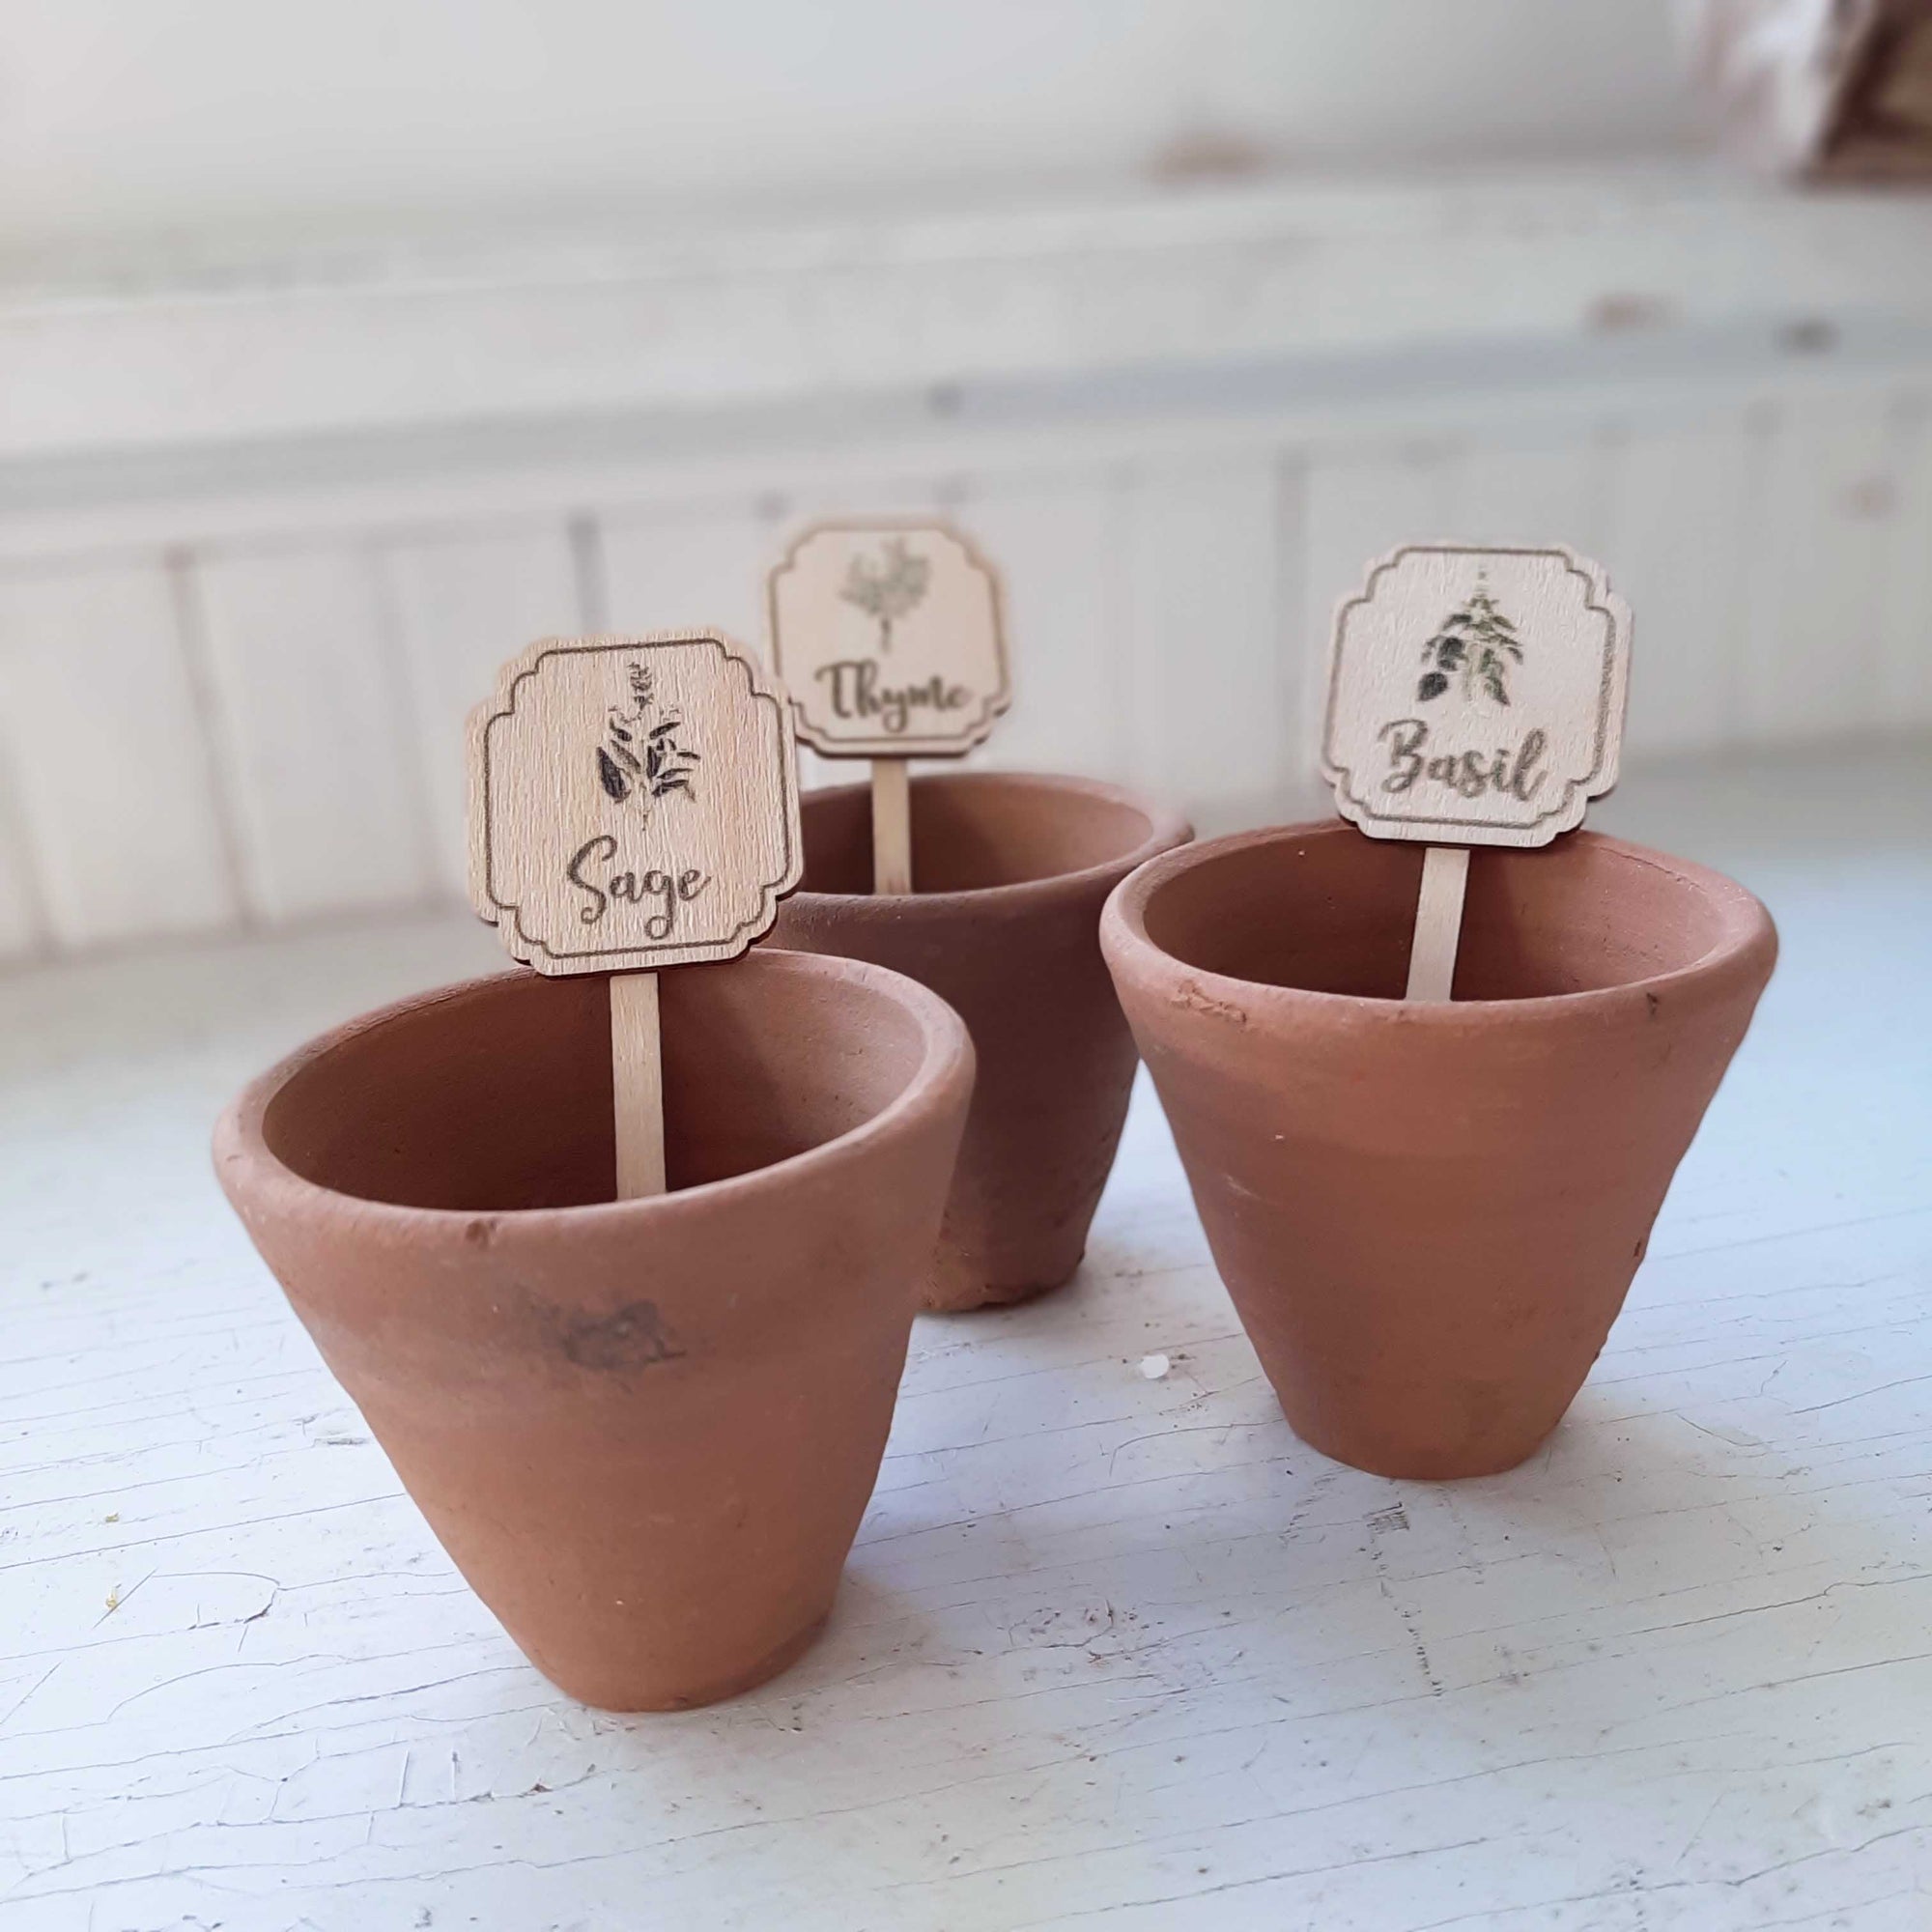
<point x="620" y="1694"/>
<point x="1428" y="1215"/>
<point x="1010" y="871"/>
<point x="958" y="1289"/>
<point x="646" y="1430"/>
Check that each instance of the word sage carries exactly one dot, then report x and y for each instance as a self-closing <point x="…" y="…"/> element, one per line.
<point x="633" y="803"/>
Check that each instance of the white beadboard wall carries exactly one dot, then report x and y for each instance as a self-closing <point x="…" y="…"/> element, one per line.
<point x="232" y="690"/>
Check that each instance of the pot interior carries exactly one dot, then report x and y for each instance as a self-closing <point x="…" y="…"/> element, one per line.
<point x="498" y="1097"/>
<point x="1331" y="911"/>
<point x="971" y="831"/>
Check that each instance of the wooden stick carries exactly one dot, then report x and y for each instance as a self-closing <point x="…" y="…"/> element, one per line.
<point x="637" y="1085"/>
<point x="891" y="825"/>
<point x="1438" y="923"/>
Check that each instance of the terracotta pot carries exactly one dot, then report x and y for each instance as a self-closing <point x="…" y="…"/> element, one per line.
<point x="1429" y="1215"/>
<point x="645" y="1430"/>
<point x="1010" y="873"/>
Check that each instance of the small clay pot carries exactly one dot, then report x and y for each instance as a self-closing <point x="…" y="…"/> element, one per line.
<point x="1429" y="1215"/>
<point x="645" y="1430"/>
<point x="1010" y="873"/>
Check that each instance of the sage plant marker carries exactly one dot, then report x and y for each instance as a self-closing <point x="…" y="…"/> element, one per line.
<point x="632" y="804"/>
<point x="889" y="639"/>
<point x="1475" y="697"/>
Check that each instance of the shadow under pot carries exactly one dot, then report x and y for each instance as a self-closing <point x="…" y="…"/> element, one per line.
<point x="1010" y="873"/>
<point x="1429" y="1215"/>
<point x="645" y="1430"/>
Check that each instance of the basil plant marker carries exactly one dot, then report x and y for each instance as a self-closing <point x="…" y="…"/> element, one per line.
<point x="1475" y="697"/>
<point x="1427" y="1160"/>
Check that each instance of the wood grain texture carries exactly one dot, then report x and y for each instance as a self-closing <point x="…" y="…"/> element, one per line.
<point x="1114" y="1648"/>
<point x="891" y="825"/>
<point x="637" y="1085"/>
<point x="633" y="803"/>
<point x="1438" y="923"/>
<point x="889" y="639"/>
<point x="853" y="490"/>
<point x="1476" y="695"/>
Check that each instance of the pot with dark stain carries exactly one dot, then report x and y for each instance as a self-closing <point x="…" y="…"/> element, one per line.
<point x="1429" y="1215"/>
<point x="645" y="1430"/>
<point x="1010" y="872"/>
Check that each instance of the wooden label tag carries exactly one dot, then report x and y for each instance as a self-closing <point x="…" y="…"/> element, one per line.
<point x="633" y="803"/>
<point x="1476" y="696"/>
<point x="889" y="639"/>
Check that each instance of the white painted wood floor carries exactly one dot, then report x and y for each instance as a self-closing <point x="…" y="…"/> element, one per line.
<point x="1113" y="1649"/>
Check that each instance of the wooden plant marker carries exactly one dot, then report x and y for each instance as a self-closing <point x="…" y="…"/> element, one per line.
<point x="1438" y="923"/>
<point x="1475" y="697"/>
<point x="891" y="825"/>
<point x="632" y="804"/>
<point x="889" y="639"/>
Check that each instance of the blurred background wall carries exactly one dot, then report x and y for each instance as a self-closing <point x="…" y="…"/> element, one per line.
<point x="172" y="123"/>
<point x="344" y="349"/>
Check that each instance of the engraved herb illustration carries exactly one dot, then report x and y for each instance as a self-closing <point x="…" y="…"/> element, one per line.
<point x="1510" y="724"/>
<point x="642" y="760"/>
<point x="890" y="589"/>
<point x="1476" y="643"/>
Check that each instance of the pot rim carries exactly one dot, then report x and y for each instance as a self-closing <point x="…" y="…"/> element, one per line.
<point x="1167" y="829"/>
<point x="1748" y="929"/>
<point x="240" y="1140"/>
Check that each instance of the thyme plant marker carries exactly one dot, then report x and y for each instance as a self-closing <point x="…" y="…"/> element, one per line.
<point x="1475" y="697"/>
<point x="632" y="804"/>
<point x="889" y="638"/>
